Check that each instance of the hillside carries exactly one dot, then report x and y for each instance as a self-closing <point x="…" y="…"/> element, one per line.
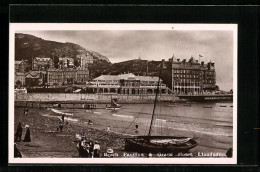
<point x="28" y="46"/>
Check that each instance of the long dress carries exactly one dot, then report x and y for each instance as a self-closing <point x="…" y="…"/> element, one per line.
<point x="19" y="132"/>
<point x="27" y="137"/>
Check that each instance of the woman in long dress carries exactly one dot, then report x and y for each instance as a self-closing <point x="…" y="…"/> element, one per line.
<point x="19" y="132"/>
<point x="27" y="137"/>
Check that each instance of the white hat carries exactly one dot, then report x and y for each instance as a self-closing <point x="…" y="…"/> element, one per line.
<point x="110" y="150"/>
<point x="26" y="126"/>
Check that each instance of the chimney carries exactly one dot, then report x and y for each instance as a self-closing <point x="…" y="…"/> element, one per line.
<point x="163" y="64"/>
<point x="184" y="60"/>
<point x="202" y="63"/>
<point x="178" y="60"/>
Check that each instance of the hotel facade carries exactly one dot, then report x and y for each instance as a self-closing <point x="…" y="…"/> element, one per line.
<point x="191" y="77"/>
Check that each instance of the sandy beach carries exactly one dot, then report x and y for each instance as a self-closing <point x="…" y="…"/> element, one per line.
<point x="48" y="142"/>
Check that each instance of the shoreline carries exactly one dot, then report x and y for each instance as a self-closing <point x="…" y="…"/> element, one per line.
<point x="47" y="142"/>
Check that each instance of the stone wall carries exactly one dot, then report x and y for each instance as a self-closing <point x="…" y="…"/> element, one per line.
<point x="98" y="98"/>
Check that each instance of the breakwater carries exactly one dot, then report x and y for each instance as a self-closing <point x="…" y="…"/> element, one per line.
<point x="95" y="98"/>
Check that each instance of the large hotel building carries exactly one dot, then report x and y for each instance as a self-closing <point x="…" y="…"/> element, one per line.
<point x="192" y="77"/>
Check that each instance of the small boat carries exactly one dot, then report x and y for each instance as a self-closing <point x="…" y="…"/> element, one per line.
<point x="207" y="106"/>
<point x="231" y="106"/>
<point x="114" y="105"/>
<point x="223" y="106"/>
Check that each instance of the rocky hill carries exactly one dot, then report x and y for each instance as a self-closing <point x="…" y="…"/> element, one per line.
<point x="28" y="46"/>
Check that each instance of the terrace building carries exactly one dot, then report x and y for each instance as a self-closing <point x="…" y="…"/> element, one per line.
<point x="42" y="63"/>
<point x="85" y="60"/>
<point x="21" y="66"/>
<point x="67" y="76"/>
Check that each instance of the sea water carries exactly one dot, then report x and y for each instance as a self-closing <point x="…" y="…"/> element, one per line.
<point x="212" y="126"/>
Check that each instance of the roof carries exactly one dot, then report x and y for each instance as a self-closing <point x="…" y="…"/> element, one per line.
<point x="33" y="74"/>
<point x="20" y="73"/>
<point x="42" y="58"/>
<point x="18" y="62"/>
<point x="126" y="77"/>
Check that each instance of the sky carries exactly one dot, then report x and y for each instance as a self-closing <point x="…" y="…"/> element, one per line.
<point x="122" y="45"/>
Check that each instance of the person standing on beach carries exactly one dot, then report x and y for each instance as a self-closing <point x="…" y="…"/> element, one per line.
<point x="25" y="111"/>
<point x="96" y="149"/>
<point x="19" y="132"/>
<point x="61" y="126"/>
<point x="91" y="146"/>
<point x="136" y="128"/>
<point x="108" y="128"/>
<point x="62" y="117"/>
<point x="27" y="137"/>
<point x="59" y="106"/>
<point x="80" y="147"/>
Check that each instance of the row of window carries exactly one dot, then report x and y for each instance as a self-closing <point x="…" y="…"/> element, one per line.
<point x="185" y="84"/>
<point x="194" y="72"/>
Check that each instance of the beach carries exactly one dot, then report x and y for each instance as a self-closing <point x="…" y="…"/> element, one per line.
<point x="48" y="142"/>
<point x="213" y="133"/>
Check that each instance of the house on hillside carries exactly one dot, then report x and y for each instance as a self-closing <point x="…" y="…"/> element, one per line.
<point x="42" y="63"/>
<point x="21" y="66"/>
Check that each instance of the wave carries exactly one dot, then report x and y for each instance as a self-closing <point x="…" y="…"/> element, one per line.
<point x="66" y="119"/>
<point x="194" y="130"/>
<point x="123" y="116"/>
<point x="63" y="113"/>
<point x="163" y="120"/>
<point x="97" y="112"/>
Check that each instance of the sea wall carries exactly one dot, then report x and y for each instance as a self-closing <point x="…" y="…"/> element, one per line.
<point x="97" y="98"/>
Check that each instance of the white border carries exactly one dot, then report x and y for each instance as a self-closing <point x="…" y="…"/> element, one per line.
<point x="13" y="27"/>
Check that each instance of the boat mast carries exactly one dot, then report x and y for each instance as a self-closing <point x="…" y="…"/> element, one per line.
<point x="155" y="101"/>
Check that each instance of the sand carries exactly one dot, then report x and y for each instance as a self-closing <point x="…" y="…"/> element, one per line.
<point x="48" y="142"/>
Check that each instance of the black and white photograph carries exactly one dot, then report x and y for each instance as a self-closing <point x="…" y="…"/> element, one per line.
<point x="90" y="93"/>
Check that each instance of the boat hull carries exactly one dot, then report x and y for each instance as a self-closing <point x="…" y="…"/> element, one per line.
<point x="113" y="108"/>
<point x="148" y="144"/>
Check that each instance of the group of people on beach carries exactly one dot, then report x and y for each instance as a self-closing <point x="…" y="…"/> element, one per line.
<point x="19" y="133"/>
<point x="88" y="149"/>
<point x="18" y="138"/>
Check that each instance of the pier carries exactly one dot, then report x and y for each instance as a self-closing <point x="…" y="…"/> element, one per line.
<point x="207" y="97"/>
